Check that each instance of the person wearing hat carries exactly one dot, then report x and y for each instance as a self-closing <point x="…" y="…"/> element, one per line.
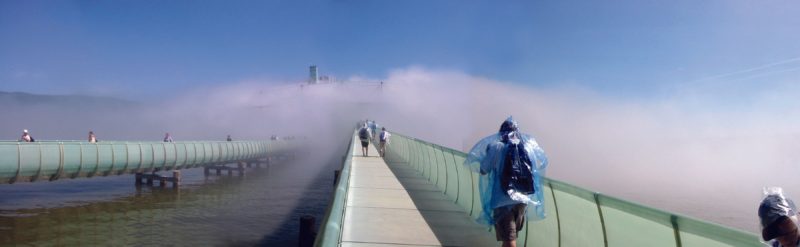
<point x="778" y="216"/>
<point x="92" y="137"/>
<point x="25" y="136"/>
<point x="511" y="165"/>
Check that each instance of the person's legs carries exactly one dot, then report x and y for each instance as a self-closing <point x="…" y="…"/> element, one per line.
<point x="364" y="148"/>
<point x="509" y="220"/>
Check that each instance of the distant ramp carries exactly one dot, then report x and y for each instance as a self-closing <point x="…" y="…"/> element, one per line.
<point x="51" y="160"/>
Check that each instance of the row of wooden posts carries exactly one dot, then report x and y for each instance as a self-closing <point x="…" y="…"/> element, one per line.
<point x="307" y="222"/>
<point x="307" y="230"/>
<point x="175" y="180"/>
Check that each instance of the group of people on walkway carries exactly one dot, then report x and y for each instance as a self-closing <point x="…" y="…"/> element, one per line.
<point x="367" y="133"/>
<point x="26" y="137"/>
<point x="512" y="164"/>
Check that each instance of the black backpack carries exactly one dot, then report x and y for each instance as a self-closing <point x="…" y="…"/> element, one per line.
<point x="517" y="173"/>
<point x="363" y="134"/>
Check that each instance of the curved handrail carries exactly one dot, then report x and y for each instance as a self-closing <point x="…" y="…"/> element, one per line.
<point x="576" y="216"/>
<point x="331" y="228"/>
<point x="51" y="160"/>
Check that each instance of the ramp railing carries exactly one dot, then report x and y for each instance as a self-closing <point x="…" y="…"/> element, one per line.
<point x="51" y="160"/>
<point x="330" y="232"/>
<point x="575" y="216"/>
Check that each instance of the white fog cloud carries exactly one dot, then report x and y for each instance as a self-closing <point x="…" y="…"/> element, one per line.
<point x="676" y="152"/>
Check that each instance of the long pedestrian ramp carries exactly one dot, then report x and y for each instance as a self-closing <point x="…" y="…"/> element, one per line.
<point x="391" y="204"/>
<point x="52" y="160"/>
<point x="420" y="194"/>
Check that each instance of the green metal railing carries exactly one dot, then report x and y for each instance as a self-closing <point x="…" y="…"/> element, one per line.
<point x="575" y="216"/>
<point x="51" y="160"/>
<point x="330" y="232"/>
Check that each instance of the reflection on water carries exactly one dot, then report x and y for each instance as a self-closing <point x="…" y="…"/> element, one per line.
<point x="261" y="208"/>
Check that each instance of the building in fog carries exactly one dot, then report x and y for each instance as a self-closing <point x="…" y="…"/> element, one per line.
<point x="315" y="78"/>
<point x="312" y="74"/>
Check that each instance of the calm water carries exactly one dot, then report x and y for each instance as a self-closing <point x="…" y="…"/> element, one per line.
<point x="260" y="209"/>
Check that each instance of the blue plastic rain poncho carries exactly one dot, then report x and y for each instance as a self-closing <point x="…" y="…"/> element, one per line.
<point x="774" y="212"/>
<point x="488" y="157"/>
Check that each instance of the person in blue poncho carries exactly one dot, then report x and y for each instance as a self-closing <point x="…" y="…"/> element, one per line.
<point x="511" y="165"/>
<point x="778" y="215"/>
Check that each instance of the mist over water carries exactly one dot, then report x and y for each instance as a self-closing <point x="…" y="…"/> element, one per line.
<point x="690" y="151"/>
<point x="695" y="156"/>
<point x="261" y="209"/>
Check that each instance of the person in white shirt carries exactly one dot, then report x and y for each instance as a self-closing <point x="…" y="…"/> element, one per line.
<point x="25" y="136"/>
<point x="384" y="138"/>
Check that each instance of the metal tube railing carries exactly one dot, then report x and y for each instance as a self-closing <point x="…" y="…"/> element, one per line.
<point x="576" y="216"/>
<point x="52" y="160"/>
<point x="330" y="232"/>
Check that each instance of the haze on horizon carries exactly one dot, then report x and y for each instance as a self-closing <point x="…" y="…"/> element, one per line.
<point x="680" y="105"/>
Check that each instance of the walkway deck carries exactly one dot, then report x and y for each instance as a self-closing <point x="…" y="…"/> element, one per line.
<point x="393" y="205"/>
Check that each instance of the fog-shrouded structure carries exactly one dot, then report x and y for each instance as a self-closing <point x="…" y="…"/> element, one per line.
<point x="312" y="74"/>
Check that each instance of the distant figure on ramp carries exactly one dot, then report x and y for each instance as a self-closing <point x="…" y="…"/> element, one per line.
<point x="372" y="127"/>
<point x="384" y="138"/>
<point x="92" y="137"/>
<point x="364" y="135"/>
<point x="26" y="137"/>
<point x="167" y="138"/>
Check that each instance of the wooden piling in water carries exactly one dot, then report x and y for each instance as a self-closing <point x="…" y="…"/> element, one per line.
<point x="139" y="179"/>
<point x="176" y="178"/>
<point x="307" y="233"/>
<point x="162" y="181"/>
<point x="239" y="169"/>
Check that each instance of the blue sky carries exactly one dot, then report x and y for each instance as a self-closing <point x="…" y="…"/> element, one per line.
<point x="619" y="48"/>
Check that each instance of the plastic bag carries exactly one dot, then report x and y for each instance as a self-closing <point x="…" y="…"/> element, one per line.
<point x="775" y="209"/>
<point x="487" y="158"/>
